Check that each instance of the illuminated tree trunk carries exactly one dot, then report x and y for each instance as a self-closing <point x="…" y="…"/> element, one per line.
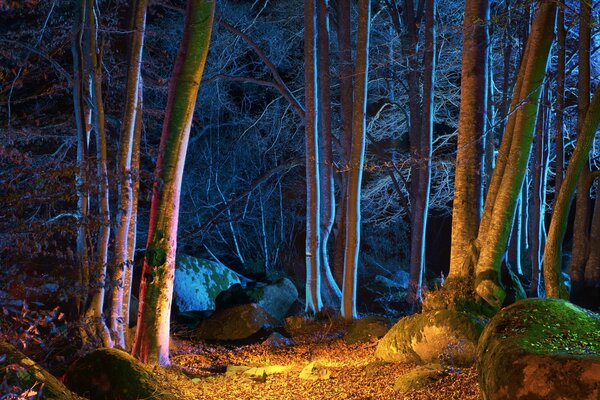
<point x="553" y="252"/>
<point x="468" y="182"/>
<point x="581" y="224"/>
<point x="311" y="124"/>
<point x="330" y="287"/>
<point x="513" y="157"/>
<point x="560" y="97"/>
<point x="151" y="342"/>
<point x="591" y="275"/>
<point x="79" y="85"/>
<point x="123" y="263"/>
<point x="94" y="314"/>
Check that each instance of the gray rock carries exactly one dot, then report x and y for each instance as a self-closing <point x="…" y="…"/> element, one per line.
<point x="198" y="282"/>
<point x="236" y="323"/>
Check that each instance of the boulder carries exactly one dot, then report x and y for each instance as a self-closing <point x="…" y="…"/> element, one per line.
<point x="367" y="329"/>
<point x="236" y="323"/>
<point x="21" y="373"/>
<point x="540" y="349"/>
<point x="419" y="378"/>
<point x="111" y="374"/>
<point x="198" y="282"/>
<point x="275" y="298"/>
<point x="446" y="336"/>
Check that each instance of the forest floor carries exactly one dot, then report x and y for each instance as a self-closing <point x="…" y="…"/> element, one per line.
<point x="345" y="371"/>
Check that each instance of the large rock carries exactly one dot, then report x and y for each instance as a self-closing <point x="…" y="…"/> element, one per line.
<point x="236" y="323"/>
<point x="275" y="298"/>
<point x="540" y="349"/>
<point x="111" y="374"/>
<point x="198" y="282"/>
<point x="446" y="336"/>
<point x="367" y="329"/>
<point x="24" y="374"/>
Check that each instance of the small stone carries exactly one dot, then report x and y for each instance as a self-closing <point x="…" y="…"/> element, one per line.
<point x="314" y="372"/>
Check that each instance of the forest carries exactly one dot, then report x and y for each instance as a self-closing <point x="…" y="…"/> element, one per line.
<point x="285" y="199"/>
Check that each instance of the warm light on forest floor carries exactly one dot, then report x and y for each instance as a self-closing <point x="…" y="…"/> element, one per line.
<point x="348" y="371"/>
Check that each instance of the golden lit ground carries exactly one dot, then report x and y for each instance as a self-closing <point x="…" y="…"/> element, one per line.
<point x="355" y="373"/>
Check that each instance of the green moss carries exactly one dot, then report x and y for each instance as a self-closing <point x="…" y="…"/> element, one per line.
<point x="458" y="294"/>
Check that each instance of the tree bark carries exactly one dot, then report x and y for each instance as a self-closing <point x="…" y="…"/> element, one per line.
<point x="560" y="97"/>
<point x="494" y="234"/>
<point x="356" y="161"/>
<point x="122" y="261"/>
<point x="468" y="182"/>
<point x="151" y="344"/>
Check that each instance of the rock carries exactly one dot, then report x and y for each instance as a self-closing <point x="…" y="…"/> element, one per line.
<point x="25" y="374"/>
<point x="198" y="282"/>
<point x="236" y="323"/>
<point x="314" y="372"/>
<point x="419" y="378"/>
<point x="275" y="298"/>
<point x="367" y="329"/>
<point x="257" y="374"/>
<point x="540" y="349"/>
<point x="446" y="336"/>
<point x="111" y="374"/>
<point x="276" y="339"/>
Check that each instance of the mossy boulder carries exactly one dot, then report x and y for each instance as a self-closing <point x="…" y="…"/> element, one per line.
<point x="276" y="298"/>
<point x="111" y="374"/>
<point x="419" y="378"/>
<point x="541" y="349"/>
<point x="19" y="371"/>
<point x="198" y="282"/>
<point x="446" y="336"/>
<point x="367" y="329"/>
<point x="246" y="321"/>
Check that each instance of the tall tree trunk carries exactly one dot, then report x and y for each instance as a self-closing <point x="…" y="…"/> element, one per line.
<point x="468" y="182"/>
<point x="507" y="181"/>
<point x="330" y="287"/>
<point x="591" y="276"/>
<point x="356" y="161"/>
<point x="79" y="84"/>
<point x="125" y="211"/>
<point x="553" y="252"/>
<point x="560" y="97"/>
<point x="98" y="282"/>
<point x="151" y="342"/>
<point x="346" y="77"/>
<point x="311" y="123"/>
<point x="581" y="224"/>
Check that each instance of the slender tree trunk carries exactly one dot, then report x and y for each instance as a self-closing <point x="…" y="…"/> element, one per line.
<point x="346" y="77"/>
<point x="468" y="181"/>
<point x="313" y="242"/>
<point x="94" y="314"/>
<point x="125" y="211"/>
<point x="493" y="237"/>
<point x="151" y="342"/>
<point x="591" y="276"/>
<point x="581" y="224"/>
<point x="79" y="79"/>
<point x="560" y="97"/>
<point x="356" y="161"/>
<point x="330" y="286"/>
<point x="553" y="252"/>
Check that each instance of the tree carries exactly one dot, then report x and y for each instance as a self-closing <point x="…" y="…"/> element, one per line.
<point x="123" y="262"/>
<point x="357" y="155"/>
<point x="151" y="342"/>
<point x="468" y="178"/>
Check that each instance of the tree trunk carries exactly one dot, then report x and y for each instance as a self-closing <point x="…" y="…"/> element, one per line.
<point x="581" y="225"/>
<point x="494" y="234"/>
<point x="313" y="273"/>
<point x="122" y="262"/>
<point x="356" y="161"/>
<point x="94" y="314"/>
<point x="560" y="97"/>
<point x="330" y="287"/>
<point x="151" y="343"/>
<point x="558" y="225"/>
<point x="468" y="182"/>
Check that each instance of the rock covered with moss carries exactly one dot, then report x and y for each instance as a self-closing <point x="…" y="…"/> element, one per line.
<point x="198" y="282"/>
<point x="541" y="349"/>
<point x="446" y="336"/>
<point x="111" y="374"/>
<point x="19" y="372"/>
